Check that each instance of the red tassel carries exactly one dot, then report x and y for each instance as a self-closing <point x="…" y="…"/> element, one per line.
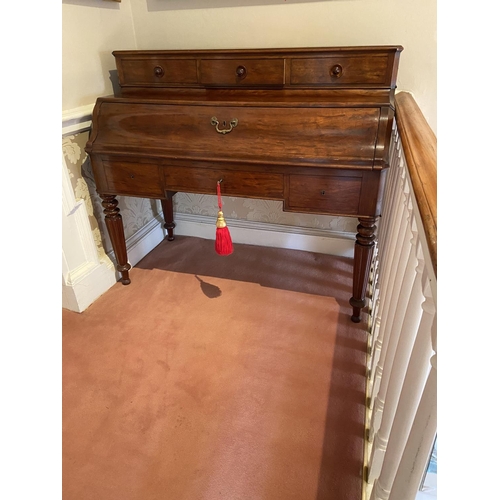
<point x="223" y="242"/>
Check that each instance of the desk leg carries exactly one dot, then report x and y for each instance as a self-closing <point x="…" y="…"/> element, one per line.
<point x="363" y="252"/>
<point x="168" y="214"/>
<point x="114" y="225"/>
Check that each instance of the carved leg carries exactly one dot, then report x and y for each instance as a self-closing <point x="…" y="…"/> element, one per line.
<point x="168" y="214"/>
<point x="114" y="224"/>
<point x="363" y="252"/>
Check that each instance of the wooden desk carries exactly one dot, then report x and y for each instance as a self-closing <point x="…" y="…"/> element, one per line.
<point x="310" y="127"/>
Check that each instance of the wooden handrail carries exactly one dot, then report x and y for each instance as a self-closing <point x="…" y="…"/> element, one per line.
<point x="420" y="148"/>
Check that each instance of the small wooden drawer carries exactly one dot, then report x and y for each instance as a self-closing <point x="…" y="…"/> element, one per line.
<point x="341" y="70"/>
<point x="234" y="182"/>
<point x="242" y="72"/>
<point x="337" y="194"/>
<point x="157" y="71"/>
<point x="133" y="178"/>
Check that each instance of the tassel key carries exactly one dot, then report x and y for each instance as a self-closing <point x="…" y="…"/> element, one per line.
<point x="223" y="242"/>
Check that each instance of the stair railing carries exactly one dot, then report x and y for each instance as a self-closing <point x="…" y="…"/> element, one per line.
<point x="402" y="362"/>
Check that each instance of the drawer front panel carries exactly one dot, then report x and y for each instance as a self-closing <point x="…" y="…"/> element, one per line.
<point x="299" y="136"/>
<point x="341" y="70"/>
<point x="237" y="183"/>
<point x="137" y="179"/>
<point x="242" y="72"/>
<point x="153" y="71"/>
<point x="333" y="194"/>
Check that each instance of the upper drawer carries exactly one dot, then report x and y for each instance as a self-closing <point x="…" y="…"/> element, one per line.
<point x="157" y="71"/>
<point x="242" y="72"/>
<point x="341" y="70"/>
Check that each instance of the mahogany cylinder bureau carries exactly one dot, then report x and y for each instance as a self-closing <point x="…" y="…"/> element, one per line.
<point x="308" y="126"/>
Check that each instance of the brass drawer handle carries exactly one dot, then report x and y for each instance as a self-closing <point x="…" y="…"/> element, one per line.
<point x="336" y="71"/>
<point x="223" y="131"/>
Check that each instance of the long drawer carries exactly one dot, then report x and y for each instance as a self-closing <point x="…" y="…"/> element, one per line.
<point x="310" y="136"/>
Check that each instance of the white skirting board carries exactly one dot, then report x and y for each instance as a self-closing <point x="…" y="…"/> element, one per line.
<point x="270" y="235"/>
<point x="87" y="284"/>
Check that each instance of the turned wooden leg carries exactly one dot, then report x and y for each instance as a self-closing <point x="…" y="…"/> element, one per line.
<point x="168" y="214"/>
<point x="363" y="252"/>
<point x="114" y="225"/>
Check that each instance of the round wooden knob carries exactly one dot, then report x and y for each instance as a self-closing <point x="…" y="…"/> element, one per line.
<point x="241" y="72"/>
<point x="336" y="71"/>
<point x="159" y="71"/>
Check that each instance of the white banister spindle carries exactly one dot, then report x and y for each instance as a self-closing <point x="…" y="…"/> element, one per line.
<point x="407" y="323"/>
<point x="384" y="253"/>
<point x="380" y="253"/>
<point x="395" y="301"/>
<point x="385" y="295"/>
<point x="398" y="253"/>
<point x="421" y="439"/>
<point x="385" y="218"/>
<point x="401" y="386"/>
<point x="390" y="189"/>
<point x="413" y="386"/>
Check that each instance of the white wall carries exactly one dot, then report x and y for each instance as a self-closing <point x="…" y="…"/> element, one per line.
<point x="93" y="28"/>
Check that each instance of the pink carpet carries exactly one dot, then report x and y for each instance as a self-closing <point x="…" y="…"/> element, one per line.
<point x="209" y="377"/>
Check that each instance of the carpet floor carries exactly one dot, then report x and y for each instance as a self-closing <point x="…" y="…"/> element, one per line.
<point x="208" y="377"/>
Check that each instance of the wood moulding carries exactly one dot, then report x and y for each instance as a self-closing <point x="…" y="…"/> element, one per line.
<point x="420" y="148"/>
